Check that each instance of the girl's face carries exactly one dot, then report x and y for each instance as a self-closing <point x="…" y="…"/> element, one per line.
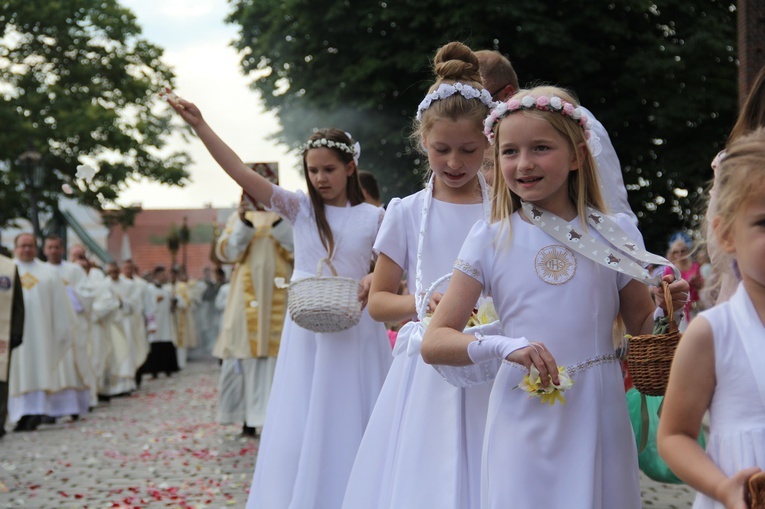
<point x="678" y="251"/>
<point x="535" y="161"/>
<point x="455" y="151"/>
<point x="746" y="239"/>
<point x="328" y="175"/>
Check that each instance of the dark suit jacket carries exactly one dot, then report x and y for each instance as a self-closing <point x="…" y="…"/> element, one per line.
<point x="17" y="312"/>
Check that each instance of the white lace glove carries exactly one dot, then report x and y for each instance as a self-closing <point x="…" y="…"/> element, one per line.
<point x="494" y="347"/>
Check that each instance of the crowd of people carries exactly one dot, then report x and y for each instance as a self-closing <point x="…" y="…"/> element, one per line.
<point x="84" y="333"/>
<point x="510" y="271"/>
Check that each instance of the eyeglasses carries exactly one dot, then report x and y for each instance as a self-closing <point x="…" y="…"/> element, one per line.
<point x="500" y="89"/>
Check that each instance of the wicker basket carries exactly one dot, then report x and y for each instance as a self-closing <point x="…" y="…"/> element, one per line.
<point x="650" y="356"/>
<point x="324" y="303"/>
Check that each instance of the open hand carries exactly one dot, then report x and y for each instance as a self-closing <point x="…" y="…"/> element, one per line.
<point x="188" y="111"/>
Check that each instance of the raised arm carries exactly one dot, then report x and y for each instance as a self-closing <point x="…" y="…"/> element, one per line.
<point x="254" y="184"/>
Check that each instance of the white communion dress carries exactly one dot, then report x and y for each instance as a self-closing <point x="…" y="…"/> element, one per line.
<point x="737" y="410"/>
<point x="580" y="454"/>
<point x="325" y="385"/>
<point x="423" y="443"/>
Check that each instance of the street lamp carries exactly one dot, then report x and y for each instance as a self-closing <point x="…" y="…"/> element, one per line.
<point x="31" y="161"/>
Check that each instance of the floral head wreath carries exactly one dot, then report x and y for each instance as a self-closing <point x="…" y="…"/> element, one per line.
<point x="354" y="150"/>
<point x="445" y="90"/>
<point x="542" y="103"/>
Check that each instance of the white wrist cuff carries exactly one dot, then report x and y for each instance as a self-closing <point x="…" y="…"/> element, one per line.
<point x="494" y="347"/>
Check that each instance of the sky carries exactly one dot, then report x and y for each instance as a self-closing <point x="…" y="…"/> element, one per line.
<point x="197" y="46"/>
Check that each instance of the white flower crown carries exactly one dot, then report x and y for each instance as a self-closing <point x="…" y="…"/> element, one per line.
<point x="354" y="150"/>
<point x="529" y="102"/>
<point x="445" y="90"/>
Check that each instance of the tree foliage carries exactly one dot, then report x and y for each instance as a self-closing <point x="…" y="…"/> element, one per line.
<point x="661" y="76"/>
<point x="79" y="84"/>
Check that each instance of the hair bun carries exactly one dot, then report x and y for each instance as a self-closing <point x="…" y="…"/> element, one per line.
<point x="455" y="61"/>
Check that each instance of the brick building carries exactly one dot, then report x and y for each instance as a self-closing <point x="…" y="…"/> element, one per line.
<point x="147" y="239"/>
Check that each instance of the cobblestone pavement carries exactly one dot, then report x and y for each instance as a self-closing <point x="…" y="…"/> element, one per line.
<point x="159" y="448"/>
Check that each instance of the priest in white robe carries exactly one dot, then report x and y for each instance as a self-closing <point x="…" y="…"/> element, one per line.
<point x="260" y="243"/>
<point x="186" y="306"/>
<point x="34" y="381"/>
<point x="75" y="369"/>
<point x="162" y="356"/>
<point x="122" y="365"/>
<point x="209" y="314"/>
<point x="143" y="311"/>
<point x="103" y="324"/>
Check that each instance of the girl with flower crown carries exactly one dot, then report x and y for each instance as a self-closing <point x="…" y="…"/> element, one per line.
<point x="549" y="258"/>
<point x="718" y="366"/>
<point x="423" y="442"/>
<point x="325" y="384"/>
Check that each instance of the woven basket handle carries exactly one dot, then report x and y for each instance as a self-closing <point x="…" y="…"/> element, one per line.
<point x="670" y="309"/>
<point x="422" y="308"/>
<point x="322" y="263"/>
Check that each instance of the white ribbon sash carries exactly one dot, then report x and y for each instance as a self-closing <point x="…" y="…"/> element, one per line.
<point x="420" y="302"/>
<point x="623" y="253"/>
<point x="752" y="334"/>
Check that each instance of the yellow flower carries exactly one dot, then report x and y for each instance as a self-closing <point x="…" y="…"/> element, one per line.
<point x="532" y="384"/>
<point x="484" y="314"/>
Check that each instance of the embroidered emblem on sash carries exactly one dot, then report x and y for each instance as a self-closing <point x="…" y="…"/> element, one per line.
<point x="5" y="283"/>
<point x="555" y="264"/>
<point x="28" y="281"/>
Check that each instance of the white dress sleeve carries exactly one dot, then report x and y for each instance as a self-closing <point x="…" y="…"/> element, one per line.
<point x="288" y="204"/>
<point x="477" y="254"/>
<point x="391" y="240"/>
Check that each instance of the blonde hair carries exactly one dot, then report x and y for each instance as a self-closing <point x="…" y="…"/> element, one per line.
<point x="583" y="186"/>
<point x="453" y="63"/>
<point x="741" y="177"/>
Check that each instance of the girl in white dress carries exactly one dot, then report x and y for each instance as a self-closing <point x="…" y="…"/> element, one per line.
<point x="325" y="384"/>
<point x="719" y="363"/>
<point x="556" y="306"/>
<point x="422" y="446"/>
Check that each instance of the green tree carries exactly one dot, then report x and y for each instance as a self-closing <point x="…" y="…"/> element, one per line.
<point x="661" y="76"/>
<point x="79" y="84"/>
